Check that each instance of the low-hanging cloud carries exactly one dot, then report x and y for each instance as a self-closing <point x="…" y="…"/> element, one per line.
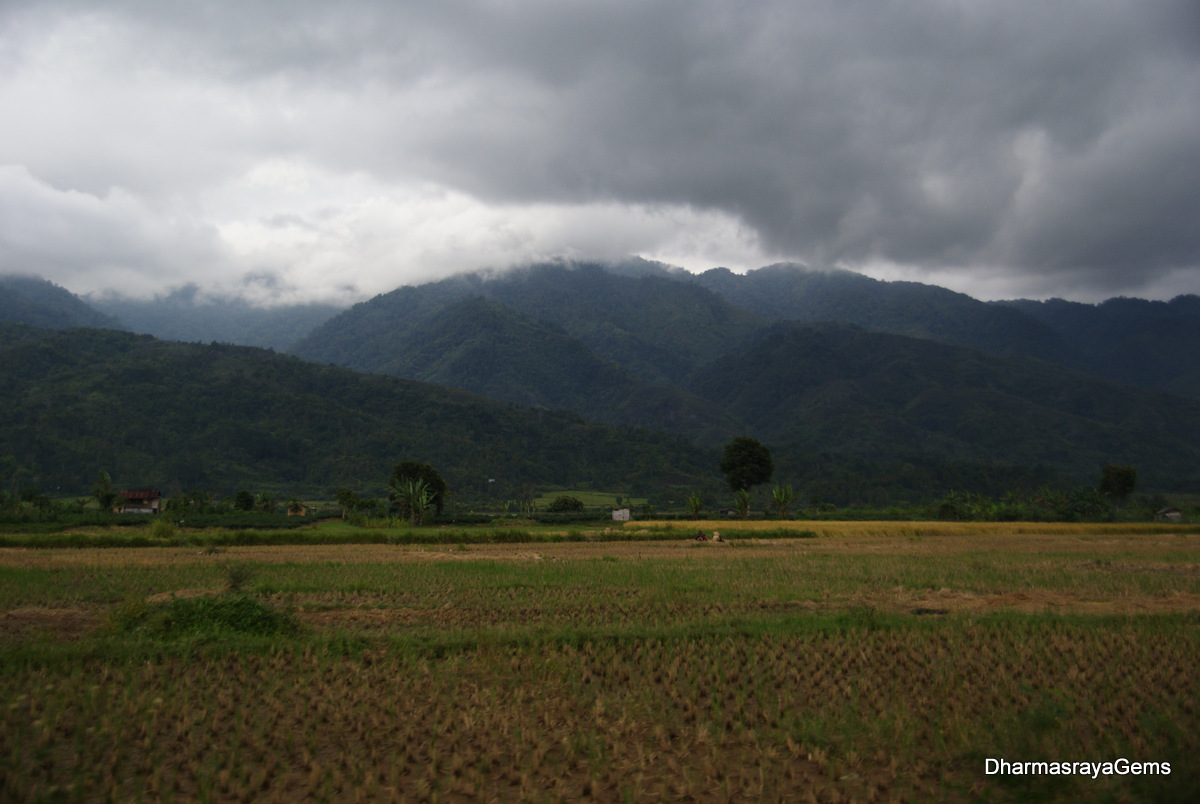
<point x="1003" y="148"/>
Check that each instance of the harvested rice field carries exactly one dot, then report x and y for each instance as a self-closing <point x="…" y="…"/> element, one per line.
<point x="863" y="662"/>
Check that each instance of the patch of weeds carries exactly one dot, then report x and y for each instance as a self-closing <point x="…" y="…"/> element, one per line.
<point x="130" y="610"/>
<point x="163" y="529"/>
<point x="238" y="576"/>
<point x="198" y="616"/>
<point x="861" y="618"/>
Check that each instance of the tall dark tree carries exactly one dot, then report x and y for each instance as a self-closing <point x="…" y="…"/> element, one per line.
<point x="746" y="463"/>
<point x="1117" y="482"/>
<point x="411" y="470"/>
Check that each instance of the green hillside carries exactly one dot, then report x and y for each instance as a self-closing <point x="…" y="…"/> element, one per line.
<point x="789" y="292"/>
<point x="482" y="346"/>
<point x="485" y="347"/>
<point x="658" y="329"/>
<point x="182" y="416"/>
<point x="840" y="389"/>
<point x="663" y="352"/>
<point x="1148" y="344"/>
<point x="1152" y="344"/>
<point x="33" y="301"/>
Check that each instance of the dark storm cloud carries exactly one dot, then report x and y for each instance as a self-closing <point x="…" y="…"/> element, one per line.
<point x="1028" y="146"/>
<point x="1037" y="138"/>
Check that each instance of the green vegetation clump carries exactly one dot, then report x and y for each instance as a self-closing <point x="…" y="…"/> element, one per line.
<point x="565" y="503"/>
<point x="203" y="616"/>
<point x="163" y="529"/>
<point x="746" y="463"/>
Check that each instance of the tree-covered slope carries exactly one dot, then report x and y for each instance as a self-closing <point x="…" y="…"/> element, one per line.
<point x="1152" y="344"/>
<point x="840" y="389"/>
<point x="482" y="346"/>
<point x="177" y="415"/>
<point x="33" y="301"/>
<point x="654" y="327"/>
<point x="793" y="293"/>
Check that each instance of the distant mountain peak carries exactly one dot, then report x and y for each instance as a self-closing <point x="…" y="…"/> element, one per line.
<point x="39" y="302"/>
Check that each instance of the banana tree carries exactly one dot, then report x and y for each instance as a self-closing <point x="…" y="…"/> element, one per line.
<point x="741" y="501"/>
<point x="782" y="498"/>
<point x="414" y="498"/>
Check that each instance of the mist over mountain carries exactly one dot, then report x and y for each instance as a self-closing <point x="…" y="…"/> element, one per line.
<point x="187" y="315"/>
<point x="37" y="302"/>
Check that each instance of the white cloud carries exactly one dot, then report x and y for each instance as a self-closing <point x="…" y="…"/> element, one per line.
<point x="96" y="242"/>
<point x="315" y="150"/>
<point x="338" y="237"/>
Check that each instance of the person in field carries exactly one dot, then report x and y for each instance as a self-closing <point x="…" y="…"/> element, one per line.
<point x="700" y="537"/>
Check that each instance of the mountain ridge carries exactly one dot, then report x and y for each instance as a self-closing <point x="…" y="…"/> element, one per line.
<point x="78" y="401"/>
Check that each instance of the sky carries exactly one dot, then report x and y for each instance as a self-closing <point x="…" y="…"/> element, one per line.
<point x="328" y="151"/>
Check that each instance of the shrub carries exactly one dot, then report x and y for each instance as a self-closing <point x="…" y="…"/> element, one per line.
<point x="238" y="576"/>
<point x="163" y="529"/>
<point x="565" y="503"/>
<point x="203" y="615"/>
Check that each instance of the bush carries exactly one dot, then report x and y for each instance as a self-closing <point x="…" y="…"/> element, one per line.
<point x="163" y="529"/>
<point x="201" y="616"/>
<point x="565" y="503"/>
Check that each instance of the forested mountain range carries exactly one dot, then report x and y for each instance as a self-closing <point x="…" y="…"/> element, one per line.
<point x="834" y="388"/>
<point x="480" y="345"/>
<point x="721" y="354"/>
<point x="920" y="380"/>
<point x="1149" y="344"/>
<point x="787" y="292"/>
<point x="1133" y="341"/>
<point x="1152" y="344"/>
<point x="151" y="412"/>
<point x="654" y="326"/>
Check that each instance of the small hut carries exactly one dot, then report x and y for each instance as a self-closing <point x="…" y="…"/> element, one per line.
<point x="140" y="501"/>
